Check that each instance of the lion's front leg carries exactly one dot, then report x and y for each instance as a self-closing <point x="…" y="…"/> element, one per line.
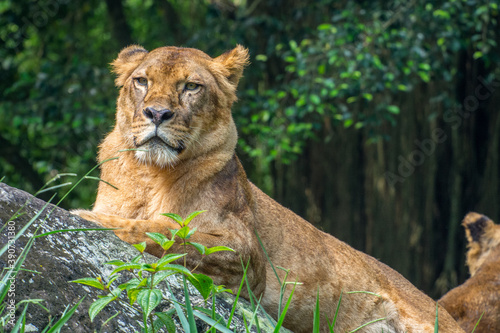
<point x="130" y="230"/>
<point x="224" y="267"/>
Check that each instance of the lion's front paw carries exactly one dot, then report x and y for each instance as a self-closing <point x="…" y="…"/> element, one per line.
<point x="85" y="214"/>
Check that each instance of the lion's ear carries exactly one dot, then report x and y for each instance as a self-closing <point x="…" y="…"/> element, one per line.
<point x="234" y="61"/>
<point x="475" y="226"/>
<point x="128" y="60"/>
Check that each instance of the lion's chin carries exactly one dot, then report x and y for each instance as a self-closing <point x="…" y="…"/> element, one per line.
<point x="164" y="156"/>
<point x="156" y="151"/>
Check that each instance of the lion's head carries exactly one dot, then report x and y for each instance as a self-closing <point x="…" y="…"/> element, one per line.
<point x="483" y="237"/>
<point x="175" y="103"/>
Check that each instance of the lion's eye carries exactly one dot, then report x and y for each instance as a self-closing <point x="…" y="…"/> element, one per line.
<point x="141" y="81"/>
<point x="191" y="86"/>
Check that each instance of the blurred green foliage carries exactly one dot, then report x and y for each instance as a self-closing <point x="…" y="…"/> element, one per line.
<point x="315" y="65"/>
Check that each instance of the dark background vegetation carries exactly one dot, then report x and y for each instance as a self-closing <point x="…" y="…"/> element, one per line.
<point x="375" y="120"/>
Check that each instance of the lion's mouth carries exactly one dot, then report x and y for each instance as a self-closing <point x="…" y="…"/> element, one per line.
<point x="156" y="141"/>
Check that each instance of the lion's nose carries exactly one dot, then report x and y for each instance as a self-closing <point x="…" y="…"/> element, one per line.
<point x="157" y="116"/>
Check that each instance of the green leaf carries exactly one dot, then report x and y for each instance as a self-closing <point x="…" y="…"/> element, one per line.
<point x="202" y="283"/>
<point x="402" y="87"/>
<point x="174" y="232"/>
<point x="98" y="305"/>
<point x="315" y="99"/>
<point x="217" y="249"/>
<point x="261" y="57"/>
<point x="424" y="66"/>
<point x="167" y="259"/>
<point x="113" y="278"/>
<point x="93" y="282"/>
<point x="441" y="14"/>
<point x="148" y="267"/>
<point x="176" y="268"/>
<point x="183" y="232"/>
<point x="174" y="217"/>
<point x="114" y="262"/>
<point x="368" y="96"/>
<point x="168" y="245"/>
<point x="477" y="54"/>
<point x="348" y="123"/>
<point x="129" y="284"/>
<point x="128" y="266"/>
<point x="190" y="233"/>
<point x="132" y="295"/>
<point x="116" y="292"/>
<point x="162" y="275"/>
<point x="393" y="109"/>
<point x="324" y="26"/>
<point x="141" y="246"/>
<point x="158" y="238"/>
<point x="143" y="283"/>
<point x="201" y="248"/>
<point x="166" y="320"/>
<point x="192" y="216"/>
<point x="148" y="300"/>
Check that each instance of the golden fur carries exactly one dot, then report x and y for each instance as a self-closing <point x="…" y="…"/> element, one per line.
<point x="481" y="292"/>
<point x="187" y="162"/>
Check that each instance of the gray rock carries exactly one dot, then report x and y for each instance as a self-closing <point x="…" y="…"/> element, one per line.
<point x="56" y="259"/>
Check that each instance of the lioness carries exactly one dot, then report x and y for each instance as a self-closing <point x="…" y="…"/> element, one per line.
<point x="174" y="109"/>
<point x="481" y="292"/>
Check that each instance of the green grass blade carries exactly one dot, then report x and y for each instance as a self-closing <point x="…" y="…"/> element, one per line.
<point x="53" y="179"/>
<point x="336" y="312"/>
<point x="368" y="323"/>
<point x="252" y="297"/>
<point x="478" y="322"/>
<point x="254" y="315"/>
<point x="267" y="256"/>
<point x="316" y="315"/>
<point x="20" y="321"/>
<point x="6" y="279"/>
<point x="60" y="323"/>
<point x="178" y="310"/>
<point x="101" y="180"/>
<point x="108" y="320"/>
<point x="212" y="322"/>
<point x="285" y="309"/>
<point x="55" y="187"/>
<point x="237" y="297"/>
<point x="189" y="308"/>
<point x="81" y="179"/>
<point x="363" y="292"/>
<point x="436" y="324"/>
<point x="23" y="229"/>
<point x="72" y="230"/>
